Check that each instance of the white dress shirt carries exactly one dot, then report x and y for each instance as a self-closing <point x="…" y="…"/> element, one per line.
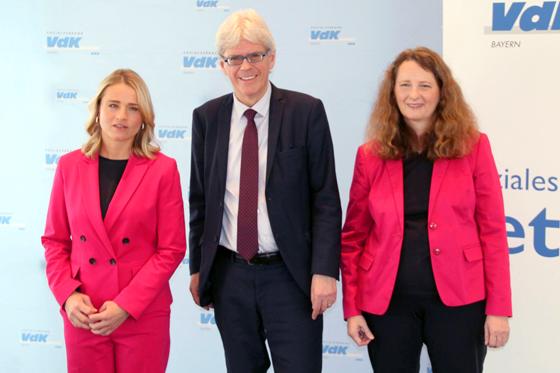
<point x="228" y="235"/>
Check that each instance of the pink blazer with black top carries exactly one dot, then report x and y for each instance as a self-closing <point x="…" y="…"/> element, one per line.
<point x="466" y="231"/>
<point x="128" y="257"/>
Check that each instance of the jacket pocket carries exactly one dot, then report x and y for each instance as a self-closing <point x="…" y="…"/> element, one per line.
<point x="366" y="260"/>
<point x="473" y="253"/>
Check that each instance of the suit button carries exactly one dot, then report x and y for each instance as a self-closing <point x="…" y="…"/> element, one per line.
<point x="112" y="261"/>
<point x="437" y="251"/>
<point x="433" y="225"/>
<point x="126" y="240"/>
<point x="92" y="261"/>
<point x="83" y="238"/>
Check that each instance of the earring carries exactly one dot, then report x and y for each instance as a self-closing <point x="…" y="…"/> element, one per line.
<point x="97" y="119"/>
<point x="143" y="126"/>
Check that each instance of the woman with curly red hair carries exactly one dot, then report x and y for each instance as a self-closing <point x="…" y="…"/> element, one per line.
<point x="424" y="250"/>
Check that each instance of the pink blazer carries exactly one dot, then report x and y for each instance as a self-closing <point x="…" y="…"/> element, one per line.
<point x="466" y="232"/>
<point x="128" y="257"/>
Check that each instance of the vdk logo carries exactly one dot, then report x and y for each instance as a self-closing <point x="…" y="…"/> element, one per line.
<point x="200" y="61"/>
<point x="334" y="349"/>
<point x="321" y="35"/>
<point x="69" y="96"/>
<point x="63" y="42"/>
<point x="67" y="41"/>
<point x="207" y="320"/>
<point x="337" y="349"/>
<point x="325" y="35"/>
<point x="52" y="156"/>
<point x="5" y="219"/>
<point x="202" y="5"/>
<point x="37" y="337"/>
<point x="172" y="133"/>
<point x="543" y="17"/>
<point x="28" y="337"/>
<point x="66" y="95"/>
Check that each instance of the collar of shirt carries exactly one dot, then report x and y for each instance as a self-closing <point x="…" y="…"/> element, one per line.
<point x="261" y="107"/>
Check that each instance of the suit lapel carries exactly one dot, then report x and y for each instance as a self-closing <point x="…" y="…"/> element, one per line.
<point x="89" y="179"/>
<point x="135" y="170"/>
<point x="438" y="174"/>
<point x="274" y="124"/>
<point x="395" y="170"/>
<point x="221" y="151"/>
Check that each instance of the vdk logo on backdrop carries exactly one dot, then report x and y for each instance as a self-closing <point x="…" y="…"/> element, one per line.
<point x="545" y="17"/>
<point x="7" y="221"/>
<point x="329" y="35"/>
<point x="69" y="96"/>
<point x="207" y="320"/>
<point x="67" y="42"/>
<point x="172" y="133"/>
<point x="37" y="337"/>
<point x="341" y="349"/>
<point x="52" y="156"/>
<point x="202" y="5"/>
<point x="199" y="61"/>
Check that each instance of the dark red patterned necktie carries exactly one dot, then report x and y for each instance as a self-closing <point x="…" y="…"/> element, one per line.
<point x="247" y="229"/>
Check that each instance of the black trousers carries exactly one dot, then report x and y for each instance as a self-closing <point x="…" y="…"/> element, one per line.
<point x="258" y="303"/>
<point x="454" y="336"/>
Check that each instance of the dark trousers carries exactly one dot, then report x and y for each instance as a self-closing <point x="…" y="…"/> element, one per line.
<point x="454" y="336"/>
<point x="254" y="303"/>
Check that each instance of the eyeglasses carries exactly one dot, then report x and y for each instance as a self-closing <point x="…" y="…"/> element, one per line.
<point x="252" y="58"/>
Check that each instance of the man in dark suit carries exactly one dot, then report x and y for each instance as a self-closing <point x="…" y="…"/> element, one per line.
<point x="265" y="211"/>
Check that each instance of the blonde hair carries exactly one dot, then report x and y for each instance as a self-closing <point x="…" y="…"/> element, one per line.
<point x="454" y="129"/>
<point x="244" y="24"/>
<point x="144" y="141"/>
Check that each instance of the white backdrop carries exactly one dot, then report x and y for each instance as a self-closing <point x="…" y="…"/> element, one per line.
<point x="506" y="57"/>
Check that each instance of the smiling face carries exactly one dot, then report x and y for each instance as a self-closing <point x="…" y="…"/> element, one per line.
<point x="249" y="80"/>
<point x="119" y="117"/>
<point x="417" y="94"/>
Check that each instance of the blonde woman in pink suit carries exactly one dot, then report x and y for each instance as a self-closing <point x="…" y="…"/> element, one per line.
<point x="115" y="233"/>
<point x="424" y="251"/>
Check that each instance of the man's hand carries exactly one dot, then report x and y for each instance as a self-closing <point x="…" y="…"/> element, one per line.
<point x="193" y="287"/>
<point x="78" y="307"/>
<point x="108" y="319"/>
<point x="323" y="294"/>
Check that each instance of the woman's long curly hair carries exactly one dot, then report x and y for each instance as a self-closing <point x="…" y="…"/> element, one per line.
<point x="454" y="129"/>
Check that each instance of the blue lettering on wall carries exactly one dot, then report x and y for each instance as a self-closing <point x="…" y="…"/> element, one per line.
<point x="200" y="62"/>
<point x="541" y="226"/>
<point x="5" y="219"/>
<point x="537" y="17"/>
<point x="52" y="158"/>
<point x="207" y="4"/>
<point x="334" y="349"/>
<point x="207" y="319"/>
<point x="65" y="42"/>
<point x="34" y="337"/>
<point x="171" y="134"/>
<point x="66" y="95"/>
<point x="324" y="35"/>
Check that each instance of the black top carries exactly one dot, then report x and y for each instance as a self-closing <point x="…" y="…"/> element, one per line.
<point x="415" y="275"/>
<point x="110" y="173"/>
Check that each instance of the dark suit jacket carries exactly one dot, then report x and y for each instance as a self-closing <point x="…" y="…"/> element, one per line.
<point x="301" y="189"/>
